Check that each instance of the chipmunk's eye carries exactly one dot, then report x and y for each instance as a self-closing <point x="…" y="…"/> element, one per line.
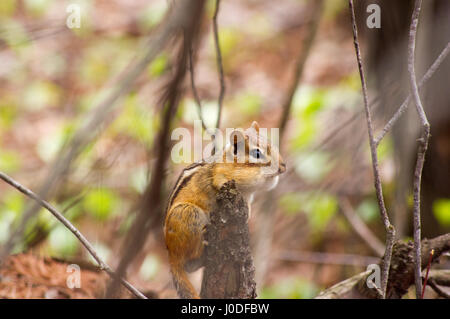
<point x="256" y="153"/>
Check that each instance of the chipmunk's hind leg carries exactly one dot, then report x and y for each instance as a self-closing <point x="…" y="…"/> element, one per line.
<point x="185" y="226"/>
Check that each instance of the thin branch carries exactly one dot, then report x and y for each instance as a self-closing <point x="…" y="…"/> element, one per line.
<point x="437" y="289"/>
<point x="219" y="64"/>
<point x="390" y="231"/>
<point x="361" y="228"/>
<point x="327" y="258"/>
<point x="194" y="89"/>
<point x="400" y="110"/>
<point x="405" y="103"/>
<point x="423" y="145"/>
<point x="73" y="229"/>
<point x="300" y="63"/>
<point x="401" y="274"/>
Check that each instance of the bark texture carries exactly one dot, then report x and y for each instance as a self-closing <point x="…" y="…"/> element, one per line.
<point x="401" y="273"/>
<point x="229" y="270"/>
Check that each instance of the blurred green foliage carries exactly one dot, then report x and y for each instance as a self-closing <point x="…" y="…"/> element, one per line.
<point x="319" y="207"/>
<point x="295" y="288"/>
<point x="158" y="65"/>
<point x="441" y="210"/>
<point x="368" y="210"/>
<point x="37" y="7"/>
<point x="313" y="166"/>
<point x="10" y="161"/>
<point x="62" y="242"/>
<point x="66" y="89"/>
<point x="152" y="15"/>
<point x="101" y="203"/>
<point x="41" y="94"/>
<point x="248" y="103"/>
<point x="135" y="121"/>
<point x="7" y="7"/>
<point x="11" y="205"/>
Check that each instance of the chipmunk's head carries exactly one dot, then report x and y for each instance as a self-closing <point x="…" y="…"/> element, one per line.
<point x="252" y="161"/>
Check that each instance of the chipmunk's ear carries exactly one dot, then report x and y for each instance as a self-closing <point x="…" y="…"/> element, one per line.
<point x="255" y="125"/>
<point x="237" y="140"/>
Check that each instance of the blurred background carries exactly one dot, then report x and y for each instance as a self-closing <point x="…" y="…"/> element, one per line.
<point x="322" y="224"/>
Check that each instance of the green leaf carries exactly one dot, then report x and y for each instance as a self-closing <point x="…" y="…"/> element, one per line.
<point x="441" y="210"/>
<point x="100" y="203"/>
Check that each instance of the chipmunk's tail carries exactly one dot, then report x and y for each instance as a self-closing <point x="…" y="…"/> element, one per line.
<point x="184" y="287"/>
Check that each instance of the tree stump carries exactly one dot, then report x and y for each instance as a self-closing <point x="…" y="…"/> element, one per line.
<point x="229" y="270"/>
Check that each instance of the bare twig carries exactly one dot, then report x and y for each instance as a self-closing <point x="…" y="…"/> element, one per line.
<point x="400" y="110"/>
<point x="405" y="103"/>
<point x="74" y="231"/>
<point x="423" y="144"/>
<point x="437" y="289"/>
<point x="300" y="64"/>
<point x="390" y="231"/>
<point x="219" y="64"/>
<point x="328" y="258"/>
<point x="194" y="89"/>
<point x="361" y="228"/>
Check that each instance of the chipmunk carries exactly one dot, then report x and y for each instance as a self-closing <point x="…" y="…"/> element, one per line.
<point x="244" y="160"/>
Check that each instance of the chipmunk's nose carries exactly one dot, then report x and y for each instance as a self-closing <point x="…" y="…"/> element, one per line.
<point x="282" y="168"/>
